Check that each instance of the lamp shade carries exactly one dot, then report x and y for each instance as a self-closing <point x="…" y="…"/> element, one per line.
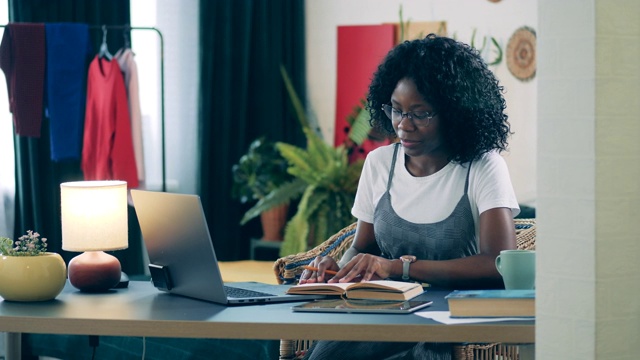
<point x="94" y="215"/>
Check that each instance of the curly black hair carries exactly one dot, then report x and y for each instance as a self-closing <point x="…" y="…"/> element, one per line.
<point x="455" y="80"/>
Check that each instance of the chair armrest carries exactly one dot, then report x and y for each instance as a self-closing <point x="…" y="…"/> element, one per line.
<point x="288" y="269"/>
<point x="525" y="233"/>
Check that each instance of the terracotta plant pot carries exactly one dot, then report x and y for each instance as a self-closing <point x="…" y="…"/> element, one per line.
<point x="273" y="222"/>
<point x="32" y="278"/>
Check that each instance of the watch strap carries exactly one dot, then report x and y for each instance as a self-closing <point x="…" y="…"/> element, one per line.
<point x="405" y="270"/>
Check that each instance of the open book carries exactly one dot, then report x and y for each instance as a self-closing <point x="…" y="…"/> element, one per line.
<point x="376" y="289"/>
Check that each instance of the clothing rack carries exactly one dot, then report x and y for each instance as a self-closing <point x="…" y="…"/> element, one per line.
<point x="127" y="28"/>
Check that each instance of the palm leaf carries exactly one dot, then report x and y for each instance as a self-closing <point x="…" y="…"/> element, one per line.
<point x="283" y="194"/>
<point x="297" y="230"/>
<point x="295" y="234"/>
<point x="295" y="156"/>
<point x="353" y="176"/>
<point x="498" y="58"/>
<point x="295" y="100"/>
<point x="319" y="226"/>
<point x="318" y="150"/>
<point x="403" y="24"/>
<point x="314" y="199"/>
<point x="360" y="127"/>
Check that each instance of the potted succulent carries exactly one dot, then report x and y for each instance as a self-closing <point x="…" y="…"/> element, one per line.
<point x="27" y="271"/>
<point x="258" y="172"/>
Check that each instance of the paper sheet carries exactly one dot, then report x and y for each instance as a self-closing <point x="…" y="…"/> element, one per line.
<point x="445" y="318"/>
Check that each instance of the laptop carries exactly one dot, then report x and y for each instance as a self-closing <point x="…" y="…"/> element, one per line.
<point x="182" y="260"/>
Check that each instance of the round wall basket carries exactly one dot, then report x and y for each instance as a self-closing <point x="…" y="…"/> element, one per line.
<point x="521" y="53"/>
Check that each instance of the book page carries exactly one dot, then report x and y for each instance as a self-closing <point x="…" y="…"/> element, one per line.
<point x="388" y="285"/>
<point x="341" y="288"/>
<point x="319" y="288"/>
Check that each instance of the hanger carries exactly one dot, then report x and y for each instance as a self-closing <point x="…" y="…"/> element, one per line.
<point x="127" y="42"/>
<point x="104" y="50"/>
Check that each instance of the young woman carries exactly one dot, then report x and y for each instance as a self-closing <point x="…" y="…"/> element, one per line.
<point x="438" y="205"/>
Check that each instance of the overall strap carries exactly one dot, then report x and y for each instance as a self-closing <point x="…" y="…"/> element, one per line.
<point x="466" y="184"/>
<point x="393" y="164"/>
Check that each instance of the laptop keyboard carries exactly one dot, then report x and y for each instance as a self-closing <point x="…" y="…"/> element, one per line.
<point x="235" y="292"/>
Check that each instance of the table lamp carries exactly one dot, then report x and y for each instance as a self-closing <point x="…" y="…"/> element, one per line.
<point x="94" y="220"/>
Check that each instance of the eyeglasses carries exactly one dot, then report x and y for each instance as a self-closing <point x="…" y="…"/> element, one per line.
<point x="419" y="118"/>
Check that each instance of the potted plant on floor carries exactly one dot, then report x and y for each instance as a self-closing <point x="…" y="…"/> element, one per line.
<point x="28" y="272"/>
<point x="258" y="172"/>
<point x="323" y="179"/>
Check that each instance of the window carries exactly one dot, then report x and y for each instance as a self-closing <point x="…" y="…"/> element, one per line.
<point x="177" y="20"/>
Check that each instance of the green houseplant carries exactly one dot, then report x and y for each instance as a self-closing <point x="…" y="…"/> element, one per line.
<point x="27" y="271"/>
<point x="258" y="172"/>
<point x="323" y="179"/>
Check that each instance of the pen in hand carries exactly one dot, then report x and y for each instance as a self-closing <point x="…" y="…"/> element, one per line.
<point x="330" y="272"/>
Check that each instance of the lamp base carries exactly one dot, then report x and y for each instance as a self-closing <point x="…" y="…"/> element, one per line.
<point x="124" y="281"/>
<point x="94" y="271"/>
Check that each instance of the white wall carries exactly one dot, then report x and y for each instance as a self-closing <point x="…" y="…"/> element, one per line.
<point x="589" y="165"/>
<point x="566" y="169"/>
<point x="499" y="20"/>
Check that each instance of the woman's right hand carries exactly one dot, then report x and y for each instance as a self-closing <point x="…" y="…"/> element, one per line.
<point x="323" y="263"/>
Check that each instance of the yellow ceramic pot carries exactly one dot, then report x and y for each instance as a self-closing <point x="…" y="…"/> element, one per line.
<point x="32" y="278"/>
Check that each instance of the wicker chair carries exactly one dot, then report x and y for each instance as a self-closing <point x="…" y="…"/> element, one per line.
<point x="288" y="269"/>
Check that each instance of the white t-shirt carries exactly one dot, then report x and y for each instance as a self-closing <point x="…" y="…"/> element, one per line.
<point x="432" y="198"/>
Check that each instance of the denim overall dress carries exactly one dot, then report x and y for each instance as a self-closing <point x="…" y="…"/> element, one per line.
<point x="451" y="238"/>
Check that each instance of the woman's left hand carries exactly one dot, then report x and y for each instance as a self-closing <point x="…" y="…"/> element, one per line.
<point x="363" y="267"/>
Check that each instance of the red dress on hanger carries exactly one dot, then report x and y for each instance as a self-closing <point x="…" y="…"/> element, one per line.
<point x="107" y="152"/>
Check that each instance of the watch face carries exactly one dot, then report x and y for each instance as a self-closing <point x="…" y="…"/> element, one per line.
<point x="408" y="258"/>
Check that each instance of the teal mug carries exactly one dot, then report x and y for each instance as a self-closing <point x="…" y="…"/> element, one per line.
<point x="518" y="268"/>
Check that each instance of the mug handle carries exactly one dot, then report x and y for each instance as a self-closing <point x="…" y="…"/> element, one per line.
<point x="498" y="264"/>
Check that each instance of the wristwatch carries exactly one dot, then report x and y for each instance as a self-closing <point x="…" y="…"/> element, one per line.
<point x="406" y="261"/>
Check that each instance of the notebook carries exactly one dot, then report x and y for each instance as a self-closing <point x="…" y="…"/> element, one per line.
<point x="182" y="259"/>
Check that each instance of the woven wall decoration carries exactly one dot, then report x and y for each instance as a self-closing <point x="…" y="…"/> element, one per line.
<point x="521" y="53"/>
